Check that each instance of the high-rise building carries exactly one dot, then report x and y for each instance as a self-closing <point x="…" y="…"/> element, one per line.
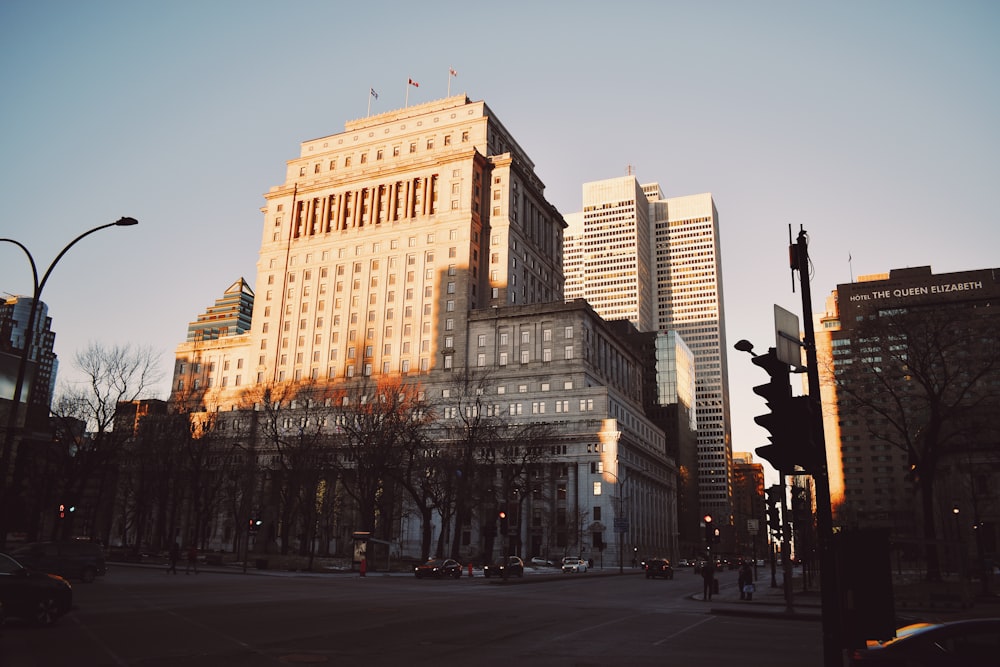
<point x="229" y="316"/>
<point x="418" y="244"/>
<point x="608" y="252"/>
<point x="687" y="268"/>
<point x="43" y="363"/>
<point x="635" y="254"/>
<point x="948" y="369"/>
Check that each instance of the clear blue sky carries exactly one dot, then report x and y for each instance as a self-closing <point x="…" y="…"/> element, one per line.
<point x="873" y="124"/>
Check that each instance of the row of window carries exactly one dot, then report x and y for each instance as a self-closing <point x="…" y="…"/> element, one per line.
<point x="396" y="151"/>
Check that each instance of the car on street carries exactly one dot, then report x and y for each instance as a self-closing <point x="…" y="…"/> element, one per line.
<point x="508" y="566"/>
<point x="71" y="559"/>
<point x="573" y="564"/>
<point x="659" y="567"/>
<point x="32" y="595"/>
<point x="967" y="643"/>
<point x="438" y="568"/>
<point x="541" y="562"/>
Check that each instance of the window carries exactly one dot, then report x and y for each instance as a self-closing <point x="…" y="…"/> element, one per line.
<point x="525" y="356"/>
<point x="482" y="340"/>
<point x="569" y="332"/>
<point x="597" y="488"/>
<point x="568" y="352"/>
<point x="597" y="513"/>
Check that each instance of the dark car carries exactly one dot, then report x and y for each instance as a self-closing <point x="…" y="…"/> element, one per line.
<point x="659" y="567"/>
<point x="31" y="595"/>
<point x="438" y="568"/>
<point x="72" y="559"/>
<point x="969" y="643"/>
<point x="507" y="566"/>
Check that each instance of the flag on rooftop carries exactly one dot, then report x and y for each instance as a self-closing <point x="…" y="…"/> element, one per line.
<point x="374" y="94"/>
<point x="413" y="83"/>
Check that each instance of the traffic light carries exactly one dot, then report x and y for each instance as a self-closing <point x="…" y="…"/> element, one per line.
<point x="794" y="423"/>
<point x="503" y="522"/>
<point x="709" y="529"/>
<point x="778" y="394"/>
<point x="774" y="503"/>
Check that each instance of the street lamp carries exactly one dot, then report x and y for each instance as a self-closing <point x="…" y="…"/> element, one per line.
<point x="8" y="442"/>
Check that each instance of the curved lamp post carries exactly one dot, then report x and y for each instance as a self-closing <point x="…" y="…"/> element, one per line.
<point x="8" y="441"/>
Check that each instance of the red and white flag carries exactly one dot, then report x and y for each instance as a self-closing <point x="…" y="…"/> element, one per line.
<point x="413" y="83"/>
<point x="452" y="72"/>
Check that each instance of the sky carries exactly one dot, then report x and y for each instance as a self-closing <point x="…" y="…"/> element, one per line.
<point x="873" y="125"/>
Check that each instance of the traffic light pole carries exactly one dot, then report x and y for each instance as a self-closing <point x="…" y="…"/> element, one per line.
<point x="832" y="641"/>
<point x="786" y="550"/>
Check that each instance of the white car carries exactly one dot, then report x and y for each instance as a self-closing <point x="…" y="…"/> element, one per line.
<point x="573" y="564"/>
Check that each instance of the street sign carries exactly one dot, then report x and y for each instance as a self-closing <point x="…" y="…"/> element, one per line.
<point x="753" y="526"/>
<point x="787" y="337"/>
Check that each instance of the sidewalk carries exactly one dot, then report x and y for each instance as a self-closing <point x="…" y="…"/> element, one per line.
<point x="767" y="601"/>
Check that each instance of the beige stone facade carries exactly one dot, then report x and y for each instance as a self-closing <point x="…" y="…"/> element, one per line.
<point x="418" y="243"/>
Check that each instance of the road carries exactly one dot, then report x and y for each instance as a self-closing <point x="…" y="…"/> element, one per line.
<point x="144" y="617"/>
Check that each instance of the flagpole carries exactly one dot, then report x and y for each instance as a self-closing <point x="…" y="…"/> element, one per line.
<point x="407" y="102"/>
<point x="369" y="102"/>
<point x="449" y="82"/>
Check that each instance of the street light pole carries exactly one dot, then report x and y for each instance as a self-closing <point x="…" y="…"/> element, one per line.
<point x="38" y="285"/>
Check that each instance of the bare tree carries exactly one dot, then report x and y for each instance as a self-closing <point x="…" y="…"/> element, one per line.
<point x="378" y="426"/>
<point x="926" y="381"/>
<point x="114" y="375"/>
<point x="291" y="422"/>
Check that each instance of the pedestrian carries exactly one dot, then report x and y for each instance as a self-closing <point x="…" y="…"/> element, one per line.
<point x="708" y="577"/>
<point x="746" y="581"/>
<point x="192" y="559"/>
<point x="174" y="556"/>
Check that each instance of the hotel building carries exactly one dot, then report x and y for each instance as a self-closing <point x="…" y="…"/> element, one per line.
<point x="870" y="480"/>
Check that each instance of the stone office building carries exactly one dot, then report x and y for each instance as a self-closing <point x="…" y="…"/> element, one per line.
<point x="419" y="243"/>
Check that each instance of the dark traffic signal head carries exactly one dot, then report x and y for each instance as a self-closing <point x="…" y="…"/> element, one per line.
<point x="792" y="421"/>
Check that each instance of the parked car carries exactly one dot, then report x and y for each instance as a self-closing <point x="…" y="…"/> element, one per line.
<point x="72" y="559"/>
<point x="659" y="567"/>
<point x="573" y="564"/>
<point x="438" y="568"/>
<point x="31" y="595"/>
<point x="969" y="643"/>
<point x="505" y="567"/>
<point x="683" y="562"/>
<point x="541" y="562"/>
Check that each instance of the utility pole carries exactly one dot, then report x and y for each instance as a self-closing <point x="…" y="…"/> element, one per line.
<point x="798" y="254"/>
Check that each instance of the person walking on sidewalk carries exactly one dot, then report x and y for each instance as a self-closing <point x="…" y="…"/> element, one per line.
<point x="192" y="560"/>
<point x="746" y="581"/>
<point x="708" y="577"/>
<point x="174" y="556"/>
